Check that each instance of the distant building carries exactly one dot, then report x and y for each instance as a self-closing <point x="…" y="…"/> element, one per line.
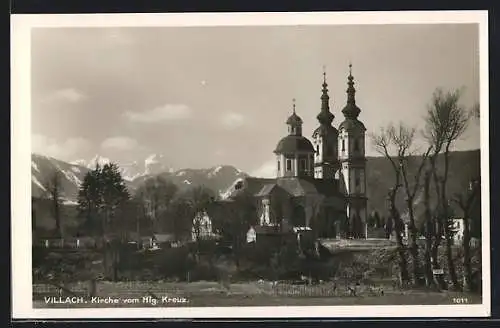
<point x="202" y="227"/>
<point x="163" y="240"/>
<point x="320" y="184"/>
<point x="457" y="228"/>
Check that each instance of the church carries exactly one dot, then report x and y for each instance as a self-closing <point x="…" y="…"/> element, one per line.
<point x="320" y="183"/>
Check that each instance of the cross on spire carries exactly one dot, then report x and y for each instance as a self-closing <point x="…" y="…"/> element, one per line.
<point x="293" y="103"/>
<point x="325" y="117"/>
<point x="351" y="111"/>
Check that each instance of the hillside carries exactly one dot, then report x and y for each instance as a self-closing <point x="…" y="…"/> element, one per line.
<point x="217" y="178"/>
<point x="464" y="165"/>
<point x="43" y="167"/>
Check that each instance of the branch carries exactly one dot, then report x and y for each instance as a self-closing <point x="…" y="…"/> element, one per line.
<point x="419" y="171"/>
<point x="382" y="142"/>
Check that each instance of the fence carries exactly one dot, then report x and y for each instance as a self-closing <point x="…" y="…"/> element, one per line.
<point x="328" y="289"/>
<point x="140" y="289"/>
<point x="66" y="243"/>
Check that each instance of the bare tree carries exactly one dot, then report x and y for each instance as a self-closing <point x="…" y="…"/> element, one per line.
<point x="383" y="144"/>
<point x="476" y="112"/>
<point x="446" y="121"/>
<point x="55" y="193"/>
<point x="465" y="203"/>
<point x="403" y="138"/>
<point x="156" y="194"/>
<point x="398" y="228"/>
<point x="429" y="232"/>
<point x="396" y="144"/>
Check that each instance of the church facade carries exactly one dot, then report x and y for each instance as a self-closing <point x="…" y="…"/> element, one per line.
<point x="320" y="184"/>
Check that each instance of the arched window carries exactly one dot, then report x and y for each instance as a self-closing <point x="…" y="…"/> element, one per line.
<point x="279" y="168"/>
<point x="288" y="164"/>
<point x="343" y="144"/>
<point x="317" y="150"/>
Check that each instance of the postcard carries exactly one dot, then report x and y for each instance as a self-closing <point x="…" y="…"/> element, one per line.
<point x="250" y="165"/>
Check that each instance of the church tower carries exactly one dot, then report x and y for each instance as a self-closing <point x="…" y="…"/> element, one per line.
<point x="325" y="140"/>
<point x="351" y="143"/>
<point x="294" y="153"/>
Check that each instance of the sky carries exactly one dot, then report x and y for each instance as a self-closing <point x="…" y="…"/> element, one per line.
<point x="206" y="96"/>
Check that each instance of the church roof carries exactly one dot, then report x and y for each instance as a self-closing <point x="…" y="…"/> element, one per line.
<point x="295" y="187"/>
<point x="298" y="187"/>
<point x="324" y="130"/>
<point x="293" y="144"/>
<point x="294" y="119"/>
<point x="249" y="186"/>
<point x="266" y="190"/>
<point x="352" y="124"/>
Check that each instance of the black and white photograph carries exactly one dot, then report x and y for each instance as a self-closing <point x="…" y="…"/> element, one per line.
<point x="233" y="165"/>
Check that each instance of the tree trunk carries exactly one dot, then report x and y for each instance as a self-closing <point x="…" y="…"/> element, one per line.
<point x="403" y="265"/>
<point x="435" y="249"/>
<point x="449" y="258"/>
<point x="115" y="263"/>
<point x="57" y="216"/>
<point x="429" y="277"/>
<point x="444" y="203"/>
<point x="413" y="244"/>
<point x="467" y="258"/>
<point x="437" y="224"/>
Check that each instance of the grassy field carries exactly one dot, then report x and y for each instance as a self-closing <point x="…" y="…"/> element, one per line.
<point x="203" y="294"/>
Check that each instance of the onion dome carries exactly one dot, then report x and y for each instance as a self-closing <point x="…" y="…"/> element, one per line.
<point x="351" y="111"/>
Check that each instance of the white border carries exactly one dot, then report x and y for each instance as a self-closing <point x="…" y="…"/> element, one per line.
<point x="21" y="159"/>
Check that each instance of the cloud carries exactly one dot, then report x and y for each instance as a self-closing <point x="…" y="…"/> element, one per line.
<point x="168" y="112"/>
<point x="65" y="150"/>
<point x="119" y="143"/>
<point x="66" y="95"/>
<point x="233" y="120"/>
<point x="266" y="170"/>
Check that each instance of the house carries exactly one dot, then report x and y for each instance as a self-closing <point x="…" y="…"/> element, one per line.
<point x="251" y="235"/>
<point x="202" y="227"/>
<point x="457" y="228"/>
<point x="163" y="240"/>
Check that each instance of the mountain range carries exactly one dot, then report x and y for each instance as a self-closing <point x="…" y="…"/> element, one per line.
<point x="464" y="165"/>
<point x="151" y="165"/>
<point x="218" y="178"/>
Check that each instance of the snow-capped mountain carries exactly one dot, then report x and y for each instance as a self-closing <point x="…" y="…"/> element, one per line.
<point x="153" y="164"/>
<point x="218" y="178"/>
<point x="98" y="159"/>
<point x="44" y="167"/>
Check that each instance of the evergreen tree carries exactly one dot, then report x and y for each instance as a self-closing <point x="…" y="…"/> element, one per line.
<point x="55" y="194"/>
<point x="90" y="200"/>
<point x="100" y="196"/>
<point x="114" y="194"/>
